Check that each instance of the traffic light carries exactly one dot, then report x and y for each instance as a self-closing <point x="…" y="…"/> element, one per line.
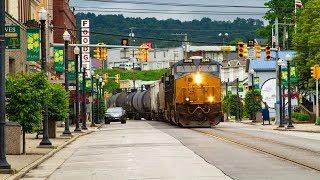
<point x="105" y="78"/>
<point x="117" y="78"/>
<point x="242" y="50"/>
<point x="257" y="50"/>
<point x="104" y="53"/>
<point x="97" y="53"/>
<point x="268" y="53"/>
<point x="315" y="72"/>
<point x="143" y="53"/>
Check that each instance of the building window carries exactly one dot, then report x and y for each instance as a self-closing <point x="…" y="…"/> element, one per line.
<point x="164" y="54"/>
<point x="11" y="66"/>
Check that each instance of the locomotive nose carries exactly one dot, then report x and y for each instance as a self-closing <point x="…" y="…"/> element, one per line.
<point x="200" y="115"/>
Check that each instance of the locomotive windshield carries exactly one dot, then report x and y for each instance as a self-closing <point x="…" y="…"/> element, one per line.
<point x="192" y="68"/>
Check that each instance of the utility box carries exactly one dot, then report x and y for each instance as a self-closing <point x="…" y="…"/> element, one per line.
<point x="13" y="137"/>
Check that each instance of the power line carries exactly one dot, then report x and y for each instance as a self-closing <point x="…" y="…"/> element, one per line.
<point x="178" y="4"/>
<point x="164" y="12"/>
<point x="156" y="10"/>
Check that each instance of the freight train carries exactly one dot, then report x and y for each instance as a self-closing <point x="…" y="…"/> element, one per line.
<point x="188" y="96"/>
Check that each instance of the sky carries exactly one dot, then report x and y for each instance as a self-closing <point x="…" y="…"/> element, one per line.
<point x="258" y="12"/>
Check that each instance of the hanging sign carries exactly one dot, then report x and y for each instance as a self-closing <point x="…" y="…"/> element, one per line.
<point x="33" y="43"/>
<point x="12" y="37"/>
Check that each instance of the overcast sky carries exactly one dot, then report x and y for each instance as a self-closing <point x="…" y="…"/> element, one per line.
<point x="183" y="17"/>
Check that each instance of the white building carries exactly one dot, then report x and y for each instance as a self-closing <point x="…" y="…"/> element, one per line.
<point x="160" y="58"/>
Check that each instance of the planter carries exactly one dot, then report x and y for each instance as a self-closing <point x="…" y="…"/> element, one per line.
<point x="13" y="134"/>
<point x="52" y="125"/>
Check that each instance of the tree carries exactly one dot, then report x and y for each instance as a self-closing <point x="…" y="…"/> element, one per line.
<point x="307" y="41"/>
<point x="58" y="106"/>
<point x="231" y="105"/>
<point x="26" y="96"/>
<point x="284" y="11"/>
<point x="252" y="103"/>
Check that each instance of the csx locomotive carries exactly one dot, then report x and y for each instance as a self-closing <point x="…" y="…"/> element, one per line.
<point x="188" y="96"/>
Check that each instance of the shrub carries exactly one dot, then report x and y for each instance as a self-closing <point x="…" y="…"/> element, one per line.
<point x="318" y="121"/>
<point x="252" y="103"/>
<point x="231" y="105"/>
<point x="300" y="116"/>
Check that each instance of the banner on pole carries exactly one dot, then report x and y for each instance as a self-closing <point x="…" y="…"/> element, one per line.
<point x="240" y="86"/>
<point x="72" y="70"/>
<point x="58" y="59"/>
<point x="33" y="42"/>
<point x="256" y="81"/>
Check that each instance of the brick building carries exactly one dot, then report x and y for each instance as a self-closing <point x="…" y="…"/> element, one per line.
<point x="63" y="18"/>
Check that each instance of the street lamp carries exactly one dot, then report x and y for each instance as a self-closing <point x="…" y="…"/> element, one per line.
<point x="84" y="104"/>
<point x="76" y="51"/>
<point x="98" y="98"/>
<point x="4" y="165"/>
<point x="67" y="39"/>
<point x="131" y="35"/>
<point x="43" y="17"/>
<point x="288" y="58"/>
<point x="225" y="35"/>
<point x="92" y="97"/>
<point x="253" y="117"/>
<point x="280" y="92"/>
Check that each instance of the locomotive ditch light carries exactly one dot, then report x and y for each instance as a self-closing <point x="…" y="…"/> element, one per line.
<point x="198" y="78"/>
<point x="210" y="99"/>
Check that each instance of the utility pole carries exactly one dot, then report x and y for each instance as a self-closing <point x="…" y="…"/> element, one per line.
<point x="131" y="35"/>
<point x="284" y="37"/>
<point x="278" y="72"/>
<point x="185" y="43"/>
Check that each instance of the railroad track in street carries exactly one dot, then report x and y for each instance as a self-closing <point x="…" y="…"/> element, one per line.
<point x="306" y="157"/>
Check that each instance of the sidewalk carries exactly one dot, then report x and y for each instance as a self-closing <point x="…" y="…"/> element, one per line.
<point x="135" y="150"/>
<point x="35" y="155"/>
<point x="311" y="128"/>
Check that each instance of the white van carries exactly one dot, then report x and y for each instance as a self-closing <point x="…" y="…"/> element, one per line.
<point x="126" y="66"/>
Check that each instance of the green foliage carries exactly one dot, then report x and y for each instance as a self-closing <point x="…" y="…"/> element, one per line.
<point x="283" y="9"/>
<point x="252" y="102"/>
<point x="102" y="109"/>
<point x="306" y="41"/>
<point x="318" y="121"/>
<point x="151" y="75"/>
<point x="201" y="31"/>
<point x="231" y="105"/>
<point x="301" y="116"/>
<point x="58" y="105"/>
<point x="26" y="96"/>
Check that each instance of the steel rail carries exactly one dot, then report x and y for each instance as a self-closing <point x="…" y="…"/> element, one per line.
<point x="251" y="147"/>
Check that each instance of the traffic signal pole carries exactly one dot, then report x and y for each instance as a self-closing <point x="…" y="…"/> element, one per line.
<point x="317" y="97"/>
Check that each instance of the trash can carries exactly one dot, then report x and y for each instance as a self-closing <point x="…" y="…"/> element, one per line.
<point x="265" y="115"/>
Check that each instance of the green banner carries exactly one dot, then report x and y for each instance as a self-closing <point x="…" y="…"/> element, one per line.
<point x="71" y="70"/>
<point x="229" y="90"/>
<point x="240" y="86"/>
<point x="12" y="37"/>
<point x="256" y="81"/>
<point x="284" y="76"/>
<point x="33" y="42"/>
<point x="58" y="59"/>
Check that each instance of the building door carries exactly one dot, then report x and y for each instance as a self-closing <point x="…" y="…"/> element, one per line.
<point x="12" y="66"/>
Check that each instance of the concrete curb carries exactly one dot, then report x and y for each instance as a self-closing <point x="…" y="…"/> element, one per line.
<point x="283" y="129"/>
<point x="33" y="165"/>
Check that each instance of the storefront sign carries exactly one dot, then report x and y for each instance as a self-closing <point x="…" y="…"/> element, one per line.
<point x="12" y="36"/>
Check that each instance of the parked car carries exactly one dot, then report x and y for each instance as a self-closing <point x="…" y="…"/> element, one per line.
<point x="115" y="114"/>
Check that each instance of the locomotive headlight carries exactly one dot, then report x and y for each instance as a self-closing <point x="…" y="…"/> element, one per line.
<point x="210" y="99"/>
<point x="187" y="99"/>
<point x="198" y="78"/>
